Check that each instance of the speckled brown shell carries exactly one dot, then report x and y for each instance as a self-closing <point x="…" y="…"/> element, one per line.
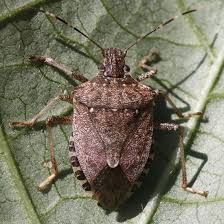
<point x="112" y="134"/>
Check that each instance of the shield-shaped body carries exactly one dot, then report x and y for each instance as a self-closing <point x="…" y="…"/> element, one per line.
<point x="112" y="135"/>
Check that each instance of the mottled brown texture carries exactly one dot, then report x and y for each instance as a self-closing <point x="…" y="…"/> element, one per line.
<point x="113" y="63"/>
<point x="112" y="130"/>
<point x="114" y="93"/>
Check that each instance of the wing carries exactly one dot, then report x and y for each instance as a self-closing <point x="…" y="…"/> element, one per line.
<point x="137" y="148"/>
<point x="88" y="144"/>
<point x="100" y="136"/>
<point x="114" y="126"/>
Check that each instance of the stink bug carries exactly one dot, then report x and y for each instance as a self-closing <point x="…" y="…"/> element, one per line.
<point x="113" y="125"/>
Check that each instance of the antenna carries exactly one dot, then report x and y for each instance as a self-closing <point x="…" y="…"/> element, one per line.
<point x="157" y="28"/>
<point x="68" y="24"/>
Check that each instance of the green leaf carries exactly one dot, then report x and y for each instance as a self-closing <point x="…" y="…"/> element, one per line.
<point x="190" y="70"/>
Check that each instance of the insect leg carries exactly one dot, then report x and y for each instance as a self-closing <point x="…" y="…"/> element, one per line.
<point x="146" y="75"/>
<point x="74" y="75"/>
<point x="175" y="109"/>
<point x="54" y="170"/>
<point x="33" y="121"/>
<point x="153" y="56"/>
<point x="180" y="129"/>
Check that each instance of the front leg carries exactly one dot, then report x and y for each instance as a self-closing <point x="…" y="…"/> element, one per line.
<point x="145" y="65"/>
<point x="74" y="75"/>
<point x="180" y="129"/>
<point x="154" y="56"/>
<point x="146" y="75"/>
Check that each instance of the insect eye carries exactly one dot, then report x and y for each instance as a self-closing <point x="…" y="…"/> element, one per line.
<point x="126" y="68"/>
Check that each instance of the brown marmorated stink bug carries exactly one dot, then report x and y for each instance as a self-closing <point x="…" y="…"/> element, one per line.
<point x="113" y="125"/>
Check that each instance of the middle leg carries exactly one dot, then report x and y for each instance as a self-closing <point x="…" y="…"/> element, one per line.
<point x="144" y="64"/>
<point x="175" y="109"/>
<point x="33" y="121"/>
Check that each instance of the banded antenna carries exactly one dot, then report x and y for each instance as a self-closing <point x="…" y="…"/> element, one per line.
<point x="157" y="28"/>
<point x="68" y="24"/>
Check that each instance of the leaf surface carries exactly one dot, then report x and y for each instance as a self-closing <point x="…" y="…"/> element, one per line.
<point x="190" y="70"/>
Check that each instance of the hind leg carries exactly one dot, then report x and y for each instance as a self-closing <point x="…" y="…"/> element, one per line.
<point x="53" y="164"/>
<point x="180" y="129"/>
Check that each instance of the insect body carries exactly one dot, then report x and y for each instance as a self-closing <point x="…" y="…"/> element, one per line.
<point x="113" y="127"/>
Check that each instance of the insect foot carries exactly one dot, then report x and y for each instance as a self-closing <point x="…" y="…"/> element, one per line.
<point x="195" y="191"/>
<point x="113" y="124"/>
